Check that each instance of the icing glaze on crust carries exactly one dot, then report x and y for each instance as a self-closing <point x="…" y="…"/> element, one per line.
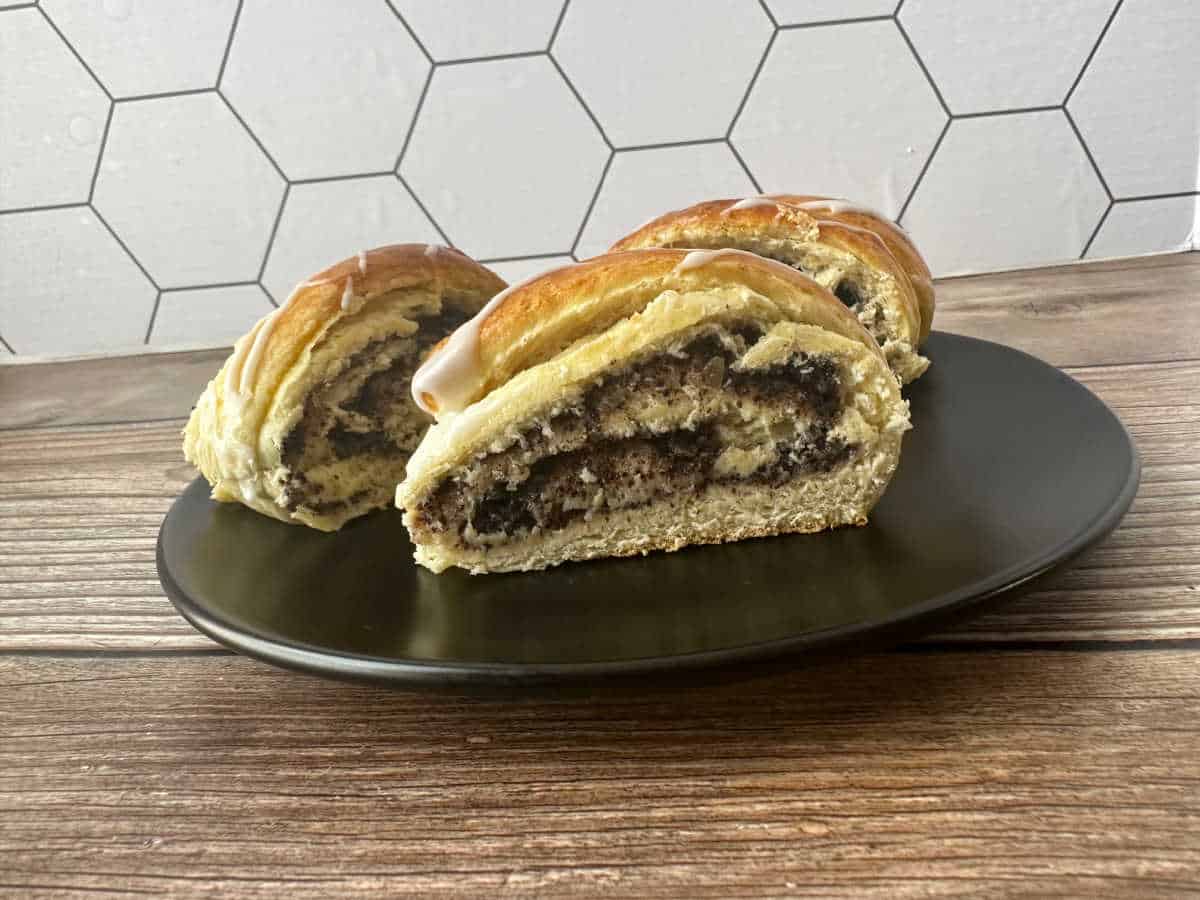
<point x="452" y="373"/>
<point x="457" y="370"/>
<point x="234" y="443"/>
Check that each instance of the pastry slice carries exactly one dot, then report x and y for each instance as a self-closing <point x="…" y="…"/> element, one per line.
<point x="311" y="419"/>
<point x="648" y="400"/>
<point x="867" y="261"/>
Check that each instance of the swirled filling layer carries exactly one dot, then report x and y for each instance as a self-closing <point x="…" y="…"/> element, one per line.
<point x="676" y="422"/>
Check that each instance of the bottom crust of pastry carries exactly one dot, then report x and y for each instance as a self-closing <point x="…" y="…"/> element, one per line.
<point x="716" y="514"/>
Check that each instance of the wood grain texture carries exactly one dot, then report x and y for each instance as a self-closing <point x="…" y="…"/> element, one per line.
<point x="146" y="761"/>
<point x="903" y="775"/>
<point x="80" y="509"/>
<point x="118" y="389"/>
<point x="1118" y="311"/>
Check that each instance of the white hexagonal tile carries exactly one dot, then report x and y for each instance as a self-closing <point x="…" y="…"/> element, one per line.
<point x="994" y="56"/>
<point x="52" y="116"/>
<point x="70" y="288"/>
<point x="332" y="220"/>
<point x="514" y="271"/>
<point x="1138" y="103"/>
<point x="798" y="12"/>
<point x="865" y="131"/>
<point x="145" y="48"/>
<point x="207" y="317"/>
<point x="504" y="158"/>
<point x="187" y="190"/>
<point x="665" y="71"/>
<point x="643" y="184"/>
<point x="329" y="88"/>
<point x="1005" y="192"/>
<point x="1166" y="225"/>
<point x="463" y="29"/>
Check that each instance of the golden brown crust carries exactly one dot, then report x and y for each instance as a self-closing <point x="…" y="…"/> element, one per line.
<point x="891" y="250"/>
<point x="893" y="236"/>
<point x="534" y="321"/>
<point x="315" y="303"/>
<point x="235" y="432"/>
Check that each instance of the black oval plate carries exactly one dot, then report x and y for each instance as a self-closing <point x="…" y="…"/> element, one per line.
<point x="1011" y="468"/>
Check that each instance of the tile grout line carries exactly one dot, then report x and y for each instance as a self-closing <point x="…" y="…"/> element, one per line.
<point x="1144" y="197"/>
<point x="49" y="207"/>
<point x="62" y="37"/>
<point x="253" y="136"/>
<point x="164" y="95"/>
<point x="925" y="168"/>
<point x="825" y="23"/>
<point x="562" y="14"/>
<point x="587" y="215"/>
<point x="116" y="237"/>
<point x="502" y="259"/>
<point x="112" y="108"/>
<point x="237" y="15"/>
<point x="762" y="61"/>
<point x="270" y="297"/>
<point x="287" y="191"/>
<point x="411" y="33"/>
<point x="1096" y="46"/>
<point x="153" y="316"/>
<point x="496" y="57"/>
<point x="993" y="113"/>
<point x="762" y="4"/>
<point x="1096" y="230"/>
<point x="1088" y="153"/>
<point x="579" y="98"/>
<point x="210" y="287"/>
<point x="326" y="179"/>
<point x="670" y="145"/>
<point x="912" y="48"/>
<point x="432" y="221"/>
<point x="412" y="126"/>
<point x="745" y="168"/>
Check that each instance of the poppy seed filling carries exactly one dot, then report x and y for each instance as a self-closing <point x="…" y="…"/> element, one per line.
<point x="363" y="411"/>
<point x="599" y="455"/>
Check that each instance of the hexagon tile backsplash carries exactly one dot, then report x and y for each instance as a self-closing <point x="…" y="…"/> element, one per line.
<point x="168" y="170"/>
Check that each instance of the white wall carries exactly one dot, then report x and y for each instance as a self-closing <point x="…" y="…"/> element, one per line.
<point x="169" y="168"/>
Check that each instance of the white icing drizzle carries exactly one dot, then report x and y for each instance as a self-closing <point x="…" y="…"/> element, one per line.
<point x="362" y="262"/>
<point x="243" y="365"/>
<point x="749" y="203"/>
<point x="697" y="258"/>
<point x="450" y="376"/>
<point x="254" y="357"/>
<point x="432" y="250"/>
<point x="348" y="291"/>
<point x="837" y="207"/>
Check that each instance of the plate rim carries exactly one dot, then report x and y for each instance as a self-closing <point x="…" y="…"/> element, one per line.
<point x="314" y="659"/>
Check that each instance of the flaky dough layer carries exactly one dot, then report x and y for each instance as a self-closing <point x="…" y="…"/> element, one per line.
<point x="237" y="429"/>
<point x="834" y="241"/>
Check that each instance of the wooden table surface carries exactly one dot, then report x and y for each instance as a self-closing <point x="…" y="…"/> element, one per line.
<point x="1050" y="746"/>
